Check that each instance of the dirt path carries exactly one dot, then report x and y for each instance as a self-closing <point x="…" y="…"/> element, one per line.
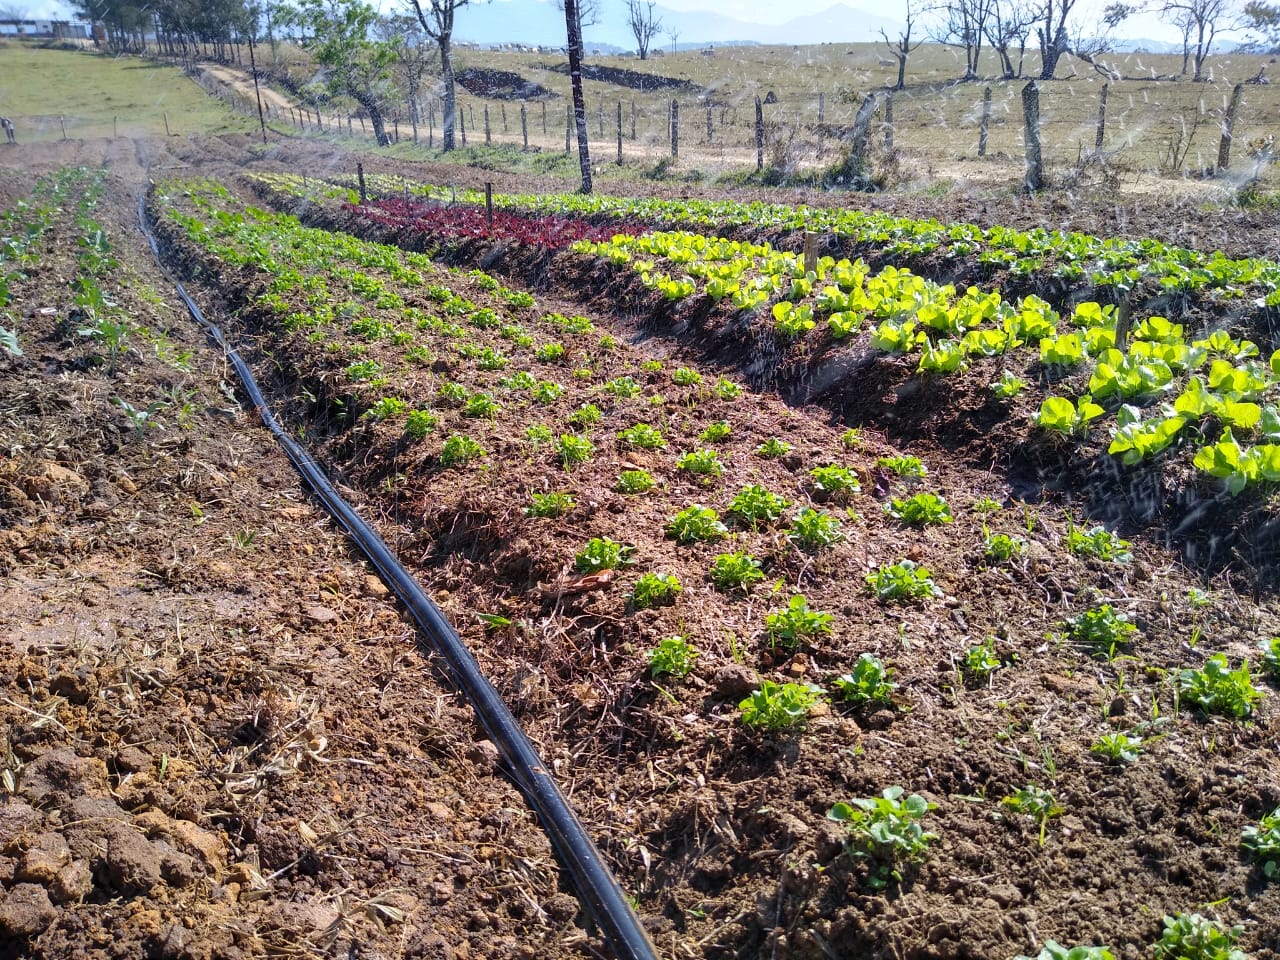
<point x="242" y="84"/>
<point x="219" y="737"/>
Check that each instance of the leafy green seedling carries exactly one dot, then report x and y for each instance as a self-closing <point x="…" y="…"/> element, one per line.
<point x="644" y="436"/>
<point x="585" y="416"/>
<point x="868" y="682"/>
<point x="726" y="389"/>
<point x="735" y="571"/>
<point x="572" y="449"/>
<point x="686" y="377"/>
<point x="673" y="657"/>
<point x="795" y="623"/>
<point x="980" y="661"/>
<point x="635" y="481"/>
<point x="920" y="509"/>
<point x="902" y="581"/>
<point x="835" y="481"/>
<point x="696" y="523"/>
<point x="1263" y="841"/>
<point x="1102" y="630"/>
<point x="655" y="590"/>
<point x="1001" y="547"/>
<point x="458" y="449"/>
<point x="1034" y="802"/>
<point x="814" y="529"/>
<point x="1190" y="936"/>
<point x="776" y="706"/>
<point x="773" y="448"/>
<point x="1271" y="657"/>
<point x="716" y="432"/>
<point x="885" y="830"/>
<point x="851" y="439"/>
<point x="1052" y="950"/>
<point x="539" y="434"/>
<point x="1216" y="688"/>
<point x="1008" y="386"/>
<point x="385" y="409"/>
<point x="907" y="467"/>
<point x="703" y="463"/>
<point x="480" y="406"/>
<point x="754" y="504"/>
<point x="550" y="352"/>
<point x="624" y="388"/>
<point x="601" y="553"/>
<point x="554" y="504"/>
<point x="1098" y="542"/>
<point x="547" y="392"/>
<point x="419" y="423"/>
<point x="1117" y="747"/>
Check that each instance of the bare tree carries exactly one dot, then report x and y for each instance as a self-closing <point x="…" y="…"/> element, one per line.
<point x="644" y="24"/>
<point x="574" y="43"/>
<point x="1202" y="17"/>
<point x="414" y="57"/>
<point x="1050" y="24"/>
<point x="588" y="12"/>
<point x="674" y="36"/>
<point x="437" y="24"/>
<point x="1010" y="21"/>
<point x="901" y="46"/>
<point x="965" y="25"/>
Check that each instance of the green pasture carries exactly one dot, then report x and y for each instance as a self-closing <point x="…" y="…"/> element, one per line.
<point x="44" y="90"/>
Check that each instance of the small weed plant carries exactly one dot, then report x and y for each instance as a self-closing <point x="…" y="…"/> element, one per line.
<point x="1117" y="747"/>
<point x="885" y="830"/>
<point x="655" y="590"/>
<point x="1190" y="936"/>
<point x="1001" y="547"/>
<point x="901" y="582"/>
<point x="780" y="706"/>
<point x="386" y="409"/>
<point x="672" y="657"/>
<point x="1262" y="840"/>
<point x="980" y="661"/>
<point x="1216" y="688"/>
<point x="867" y="683"/>
<point x="1034" y="802"/>
<point x="795" y="623"/>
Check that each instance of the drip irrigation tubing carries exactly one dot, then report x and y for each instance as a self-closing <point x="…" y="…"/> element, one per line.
<point x="598" y="891"/>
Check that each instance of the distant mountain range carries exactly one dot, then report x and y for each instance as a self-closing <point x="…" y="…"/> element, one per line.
<point x="541" y="23"/>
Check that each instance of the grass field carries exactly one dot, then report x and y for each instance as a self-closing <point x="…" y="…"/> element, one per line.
<point x="99" y="96"/>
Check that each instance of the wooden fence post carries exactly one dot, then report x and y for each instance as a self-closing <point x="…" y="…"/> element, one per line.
<point x="488" y="134"/>
<point x="986" y="122"/>
<point x="488" y="204"/>
<point x="633" y="121"/>
<point x="888" y="121"/>
<point x="524" y="123"/>
<point x="759" y="135"/>
<point x="708" y="123"/>
<point x="462" y="125"/>
<point x="1102" y="118"/>
<point x="600" y="119"/>
<point x="619" y="133"/>
<point x="360" y="176"/>
<point x="675" y="129"/>
<point x="431" y="127"/>
<point x="504" y="118"/>
<point x="568" y="126"/>
<point x="810" y="252"/>
<point x="544" y="118"/>
<point x="1228" y="126"/>
<point x="1034" y="178"/>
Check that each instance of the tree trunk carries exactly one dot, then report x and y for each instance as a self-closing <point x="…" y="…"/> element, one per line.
<point x="902" y="72"/>
<point x="450" y="97"/>
<point x="575" y="80"/>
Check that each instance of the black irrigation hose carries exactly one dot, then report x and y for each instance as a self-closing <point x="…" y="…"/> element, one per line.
<point x="598" y="891"/>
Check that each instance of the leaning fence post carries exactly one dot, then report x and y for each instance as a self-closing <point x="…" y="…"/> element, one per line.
<point x="986" y="122"/>
<point x="1228" y="126"/>
<point x="1102" y="118"/>
<point x="1034" y="178"/>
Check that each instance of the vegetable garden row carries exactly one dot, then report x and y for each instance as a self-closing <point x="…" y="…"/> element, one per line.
<point x="812" y="692"/>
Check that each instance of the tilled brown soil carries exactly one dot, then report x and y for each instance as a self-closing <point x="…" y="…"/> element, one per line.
<point x="223" y="740"/>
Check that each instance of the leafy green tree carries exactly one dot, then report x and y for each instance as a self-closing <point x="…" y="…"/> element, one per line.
<point x="354" y="64"/>
<point x="436" y="17"/>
